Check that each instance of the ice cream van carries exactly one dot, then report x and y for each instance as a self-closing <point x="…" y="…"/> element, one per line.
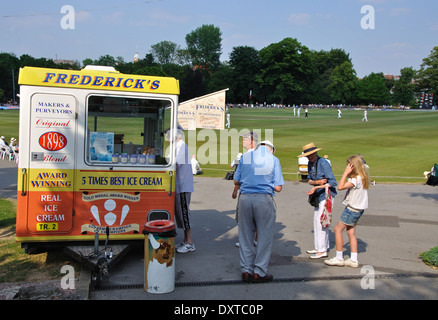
<point x="94" y="159"/>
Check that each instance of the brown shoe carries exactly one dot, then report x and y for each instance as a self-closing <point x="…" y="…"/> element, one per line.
<point x="258" y="278"/>
<point x="246" y="277"/>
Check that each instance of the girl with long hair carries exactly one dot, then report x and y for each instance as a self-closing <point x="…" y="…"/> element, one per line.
<point x="357" y="181"/>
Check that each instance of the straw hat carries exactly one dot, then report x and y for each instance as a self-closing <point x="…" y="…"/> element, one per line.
<point x="308" y="149"/>
<point x="268" y="143"/>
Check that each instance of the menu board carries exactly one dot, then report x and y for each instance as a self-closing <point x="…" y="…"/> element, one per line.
<point x="101" y="146"/>
<point x="206" y="112"/>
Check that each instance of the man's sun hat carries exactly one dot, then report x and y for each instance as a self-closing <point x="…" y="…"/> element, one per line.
<point x="266" y="143"/>
<point x="308" y="149"/>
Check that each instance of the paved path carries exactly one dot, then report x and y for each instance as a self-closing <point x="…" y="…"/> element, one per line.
<point x="8" y="179"/>
<point x="401" y="223"/>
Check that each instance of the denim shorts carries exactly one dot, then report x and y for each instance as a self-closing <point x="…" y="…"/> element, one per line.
<point x="350" y="217"/>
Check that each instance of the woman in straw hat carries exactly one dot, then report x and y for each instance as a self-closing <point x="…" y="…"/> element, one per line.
<point x="320" y="175"/>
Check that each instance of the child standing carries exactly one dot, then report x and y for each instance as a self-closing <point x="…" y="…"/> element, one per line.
<point x="356" y="180"/>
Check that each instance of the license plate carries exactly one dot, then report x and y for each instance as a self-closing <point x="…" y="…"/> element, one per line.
<point x="53" y="226"/>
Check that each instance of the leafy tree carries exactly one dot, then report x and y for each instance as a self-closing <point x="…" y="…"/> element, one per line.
<point x="428" y="73"/>
<point x="204" y="46"/>
<point x="106" y="60"/>
<point x="336" y="57"/>
<point x="2" y="96"/>
<point x="326" y="60"/>
<point x="245" y="66"/>
<point x="120" y="60"/>
<point x="27" y="60"/>
<point x="372" y="90"/>
<point x="285" y="71"/>
<point x="87" y="62"/>
<point x="149" y="59"/>
<point x="165" y="52"/>
<point x="318" y="90"/>
<point x="192" y="85"/>
<point x="183" y="57"/>
<point x="174" y="70"/>
<point x="221" y="79"/>
<point x="8" y="62"/>
<point x="150" y="71"/>
<point x="322" y="89"/>
<point x="343" y="83"/>
<point x="404" y="88"/>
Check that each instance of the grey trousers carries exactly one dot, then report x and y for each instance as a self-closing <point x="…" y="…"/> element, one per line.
<point x="257" y="213"/>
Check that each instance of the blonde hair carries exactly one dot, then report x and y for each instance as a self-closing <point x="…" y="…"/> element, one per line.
<point x="359" y="169"/>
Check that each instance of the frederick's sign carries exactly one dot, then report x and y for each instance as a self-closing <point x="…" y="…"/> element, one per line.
<point x="97" y="79"/>
<point x="101" y="81"/>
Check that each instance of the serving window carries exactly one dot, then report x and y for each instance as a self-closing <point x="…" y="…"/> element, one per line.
<point x="127" y="131"/>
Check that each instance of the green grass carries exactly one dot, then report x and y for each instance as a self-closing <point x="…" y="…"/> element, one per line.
<point x="9" y="124"/>
<point x="17" y="266"/>
<point x="7" y="214"/>
<point x="397" y="145"/>
<point x="430" y="257"/>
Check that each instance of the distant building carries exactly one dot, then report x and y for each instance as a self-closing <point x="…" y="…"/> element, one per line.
<point x="391" y="77"/>
<point x="388" y="77"/>
<point x="136" y="57"/>
<point x="70" y="62"/>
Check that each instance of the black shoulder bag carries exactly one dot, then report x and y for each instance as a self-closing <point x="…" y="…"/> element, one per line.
<point x="313" y="198"/>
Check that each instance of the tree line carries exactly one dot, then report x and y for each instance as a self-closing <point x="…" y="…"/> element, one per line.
<point x="286" y="72"/>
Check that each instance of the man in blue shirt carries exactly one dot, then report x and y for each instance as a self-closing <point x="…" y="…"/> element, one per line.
<point x="259" y="176"/>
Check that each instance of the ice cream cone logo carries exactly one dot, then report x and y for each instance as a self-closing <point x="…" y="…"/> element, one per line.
<point x="109" y="217"/>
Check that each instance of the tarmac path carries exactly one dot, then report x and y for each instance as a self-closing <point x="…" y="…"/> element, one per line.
<point x="400" y="223"/>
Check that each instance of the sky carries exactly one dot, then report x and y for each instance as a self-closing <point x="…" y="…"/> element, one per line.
<point x="379" y="35"/>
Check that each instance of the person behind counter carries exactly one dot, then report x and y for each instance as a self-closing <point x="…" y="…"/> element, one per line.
<point x="183" y="192"/>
